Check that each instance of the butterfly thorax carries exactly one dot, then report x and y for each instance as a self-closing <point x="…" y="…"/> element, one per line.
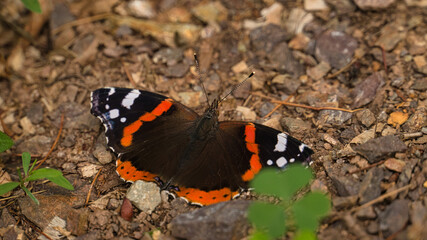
<point x="207" y="125"/>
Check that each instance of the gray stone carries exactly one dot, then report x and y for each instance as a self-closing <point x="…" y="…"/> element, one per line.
<point x="370" y="187"/>
<point x="376" y="148"/>
<point x="76" y="117"/>
<point x="391" y="34"/>
<point x="144" y="195"/>
<point x="335" y="48"/>
<point x="293" y="125"/>
<point x="286" y="83"/>
<point x="35" y="113"/>
<point x="366" y="91"/>
<point x="420" y="84"/>
<point x="267" y="37"/>
<point x="6" y="218"/>
<point x="177" y="70"/>
<point x="57" y="205"/>
<point x="282" y="60"/>
<point x="333" y="117"/>
<point x="366" y="213"/>
<point x="225" y="220"/>
<point x="348" y="133"/>
<point x="266" y="108"/>
<point x="36" y="145"/>
<point x="344" y="202"/>
<point x="60" y="15"/>
<point x="394" y="217"/>
<point x="366" y="117"/>
<point x="416" y="121"/>
<point x="242" y="91"/>
<point x="170" y="56"/>
<point x="69" y="141"/>
<point x="345" y="186"/>
<point x="101" y="152"/>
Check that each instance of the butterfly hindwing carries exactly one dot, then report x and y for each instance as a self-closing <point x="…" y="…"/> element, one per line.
<point x="233" y="157"/>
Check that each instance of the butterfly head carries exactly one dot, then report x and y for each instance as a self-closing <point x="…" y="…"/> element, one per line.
<point x="212" y="111"/>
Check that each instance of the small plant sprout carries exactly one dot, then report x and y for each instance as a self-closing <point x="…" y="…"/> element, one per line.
<point x="30" y="173"/>
<point x="32" y="5"/>
<point x="301" y="216"/>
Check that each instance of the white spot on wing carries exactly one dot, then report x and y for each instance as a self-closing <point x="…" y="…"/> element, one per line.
<point x="123" y="119"/>
<point x="301" y="147"/>
<point x="114" y="113"/>
<point x="281" y="162"/>
<point x="130" y="98"/>
<point x="107" y="107"/>
<point x="269" y="162"/>
<point x="282" y="140"/>
<point x="112" y="91"/>
<point x="292" y="160"/>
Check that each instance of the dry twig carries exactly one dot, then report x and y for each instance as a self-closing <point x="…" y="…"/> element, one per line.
<point x="91" y="187"/>
<point x="54" y="143"/>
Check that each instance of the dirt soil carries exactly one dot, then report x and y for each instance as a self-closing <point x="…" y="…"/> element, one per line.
<point x="330" y="57"/>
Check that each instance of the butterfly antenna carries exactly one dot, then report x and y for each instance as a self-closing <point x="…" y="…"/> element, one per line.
<point x="196" y="60"/>
<point x="237" y="86"/>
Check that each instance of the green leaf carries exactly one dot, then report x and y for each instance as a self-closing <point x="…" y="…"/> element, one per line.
<point x="5" y="142"/>
<point x="259" y="235"/>
<point x="282" y="184"/>
<point x="43" y="173"/>
<point x="6" y="187"/>
<point x="295" y="177"/>
<point x="26" y="159"/>
<point x="32" y="5"/>
<point x="62" y="182"/>
<point x="305" y="235"/>
<point x="265" y="182"/>
<point x="310" y="209"/>
<point x="269" y="218"/>
<point x="30" y="195"/>
<point x="32" y="166"/>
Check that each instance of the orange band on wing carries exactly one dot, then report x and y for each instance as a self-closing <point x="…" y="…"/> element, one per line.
<point x="201" y="197"/>
<point x="252" y="147"/>
<point x="128" y="131"/>
<point x="129" y="173"/>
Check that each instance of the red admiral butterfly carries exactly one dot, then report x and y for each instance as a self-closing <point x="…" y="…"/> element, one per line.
<point x="194" y="156"/>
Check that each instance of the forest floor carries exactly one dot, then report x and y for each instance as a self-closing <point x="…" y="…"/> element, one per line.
<point x="323" y="55"/>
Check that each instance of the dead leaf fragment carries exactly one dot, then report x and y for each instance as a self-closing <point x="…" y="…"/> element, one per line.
<point x="166" y="33"/>
<point x="394" y="164"/>
<point x="397" y="118"/>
